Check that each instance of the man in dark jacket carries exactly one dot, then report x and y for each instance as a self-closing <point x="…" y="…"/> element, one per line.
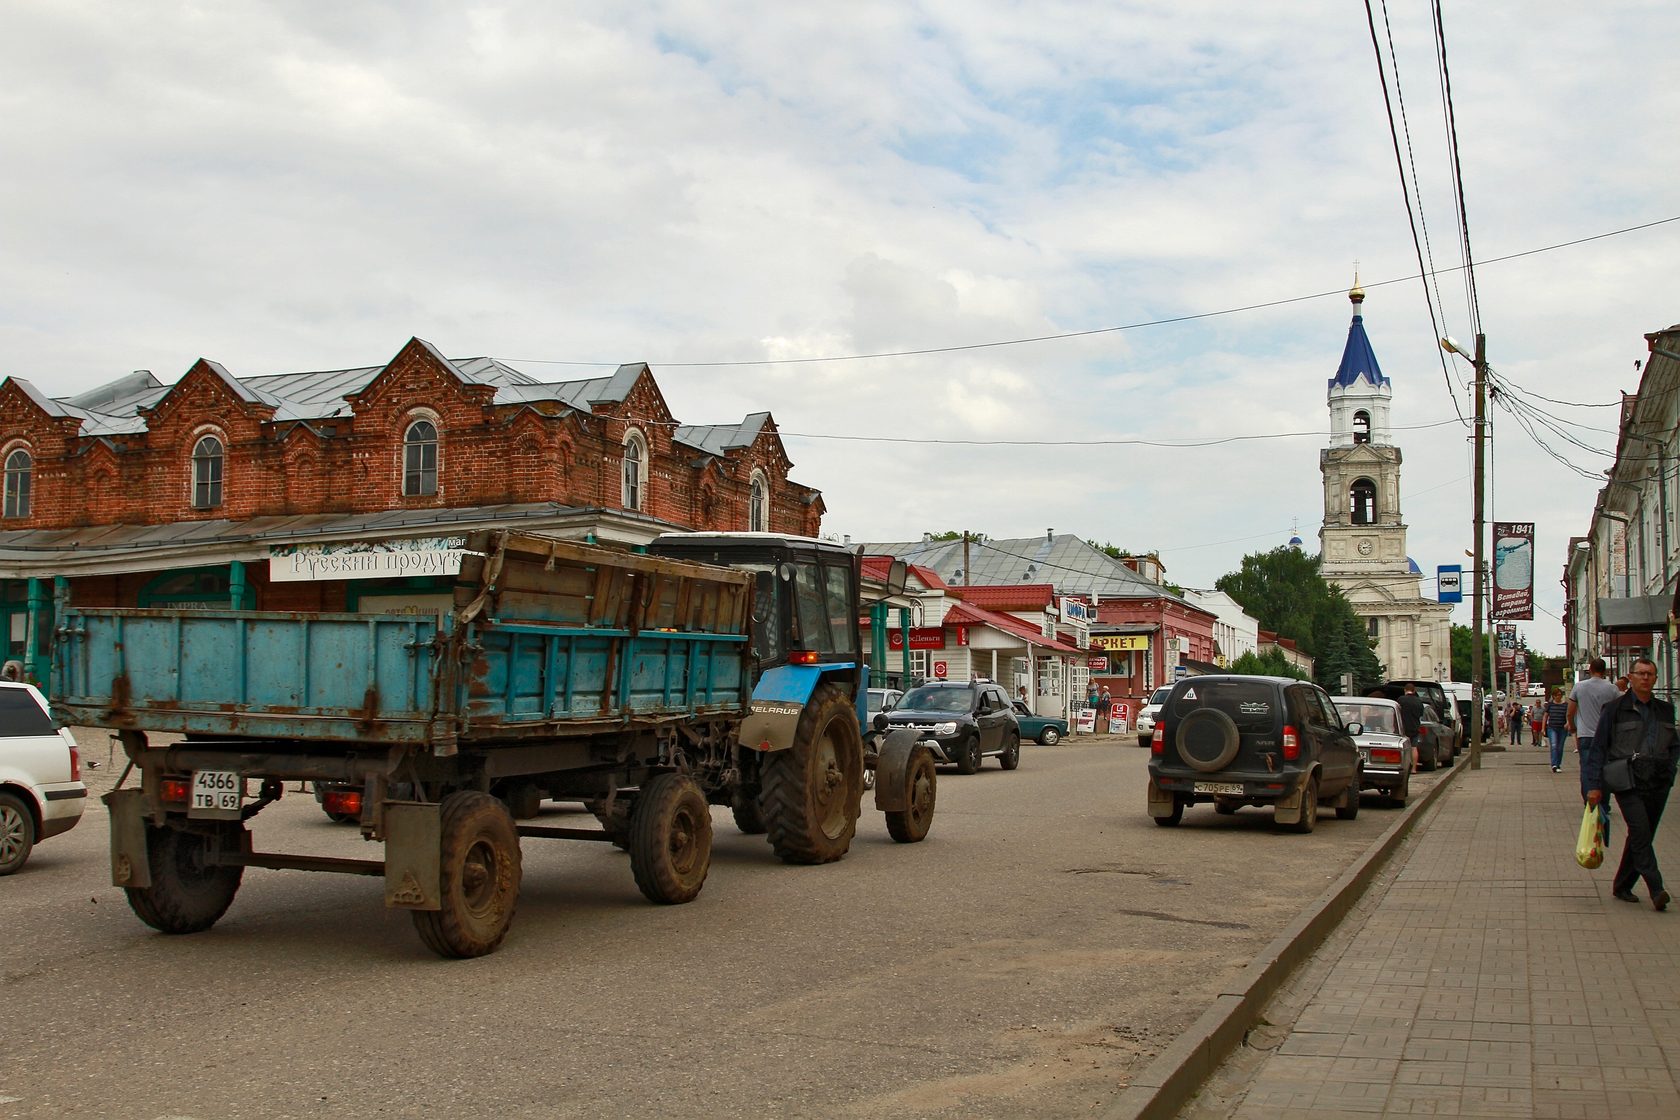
<point x="1632" y="754"/>
<point x="1411" y="718"/>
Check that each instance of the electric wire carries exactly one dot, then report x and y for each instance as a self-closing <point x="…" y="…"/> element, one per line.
<point x="1411" y="214"/>
<point x="1140" y="325"/>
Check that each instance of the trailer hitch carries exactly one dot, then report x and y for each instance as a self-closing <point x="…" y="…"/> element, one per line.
<point x="272" y="788"/>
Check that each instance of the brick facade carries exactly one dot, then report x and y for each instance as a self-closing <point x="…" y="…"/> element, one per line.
<point x="544" y="448"/>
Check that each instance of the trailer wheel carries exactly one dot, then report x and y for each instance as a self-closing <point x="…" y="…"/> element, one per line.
<point x="187" y="894"/>
<point x="480" y="871"/>
<point x="813" y="789"/>
<point x="920" y="778"/>
<point x="743" y="804"/>
<point x="615" y="824"/>
<point x="671" y="839"/>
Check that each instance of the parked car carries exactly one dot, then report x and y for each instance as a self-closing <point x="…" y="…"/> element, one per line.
<point x="41" y="790"/>
<point x="1387" y="755"/>
<point x="1150" y="713"/>
<point x="882" y="700"/>
<point x="1435" y="747"/>
<point x="1434" y="695"/>
<point x="1239" y="740"/>
<point x="1047" y="730"/>
<point x="963" y="722"/>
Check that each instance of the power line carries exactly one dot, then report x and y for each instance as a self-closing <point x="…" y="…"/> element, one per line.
<point x="1261" y="306"/>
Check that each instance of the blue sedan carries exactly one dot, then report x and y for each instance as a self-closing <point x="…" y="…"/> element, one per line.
<point x="1046" y="729"/>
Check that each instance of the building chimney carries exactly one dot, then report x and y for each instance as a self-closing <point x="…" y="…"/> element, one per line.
<point x="1049" y="536"/>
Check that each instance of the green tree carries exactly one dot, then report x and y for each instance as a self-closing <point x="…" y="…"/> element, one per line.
<point x="1286" y="593"/>
<point x="1272" y="663"/>
<point x="1463" y="642"/>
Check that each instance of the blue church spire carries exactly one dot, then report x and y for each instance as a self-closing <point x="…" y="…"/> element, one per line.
<point x="1358" y="359"/>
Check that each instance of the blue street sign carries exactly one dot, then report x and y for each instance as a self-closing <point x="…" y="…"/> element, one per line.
<point x="1449" y="583"/>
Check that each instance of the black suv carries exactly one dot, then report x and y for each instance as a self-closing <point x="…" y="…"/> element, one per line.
<point x="1236" y="740"/>
<point x="962" y="721"/>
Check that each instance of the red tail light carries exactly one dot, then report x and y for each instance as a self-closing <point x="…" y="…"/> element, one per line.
<point x="341" y="802"/>
<point x="802" y="657"/>
<point x="1389" y="755"/>
<point x="174" y="789"/>
<point x="1157" y="745"/>
<point x="1291" y="743"/>
<point x="75" y="765"/>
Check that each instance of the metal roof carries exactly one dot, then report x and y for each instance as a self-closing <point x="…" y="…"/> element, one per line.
<point x="1063" y="559"/>
<point x="1359" y="361"/>
<point x="716" y="439"/>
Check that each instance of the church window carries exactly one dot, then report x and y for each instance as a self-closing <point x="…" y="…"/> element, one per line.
<point x="420" y="460"/>
<point x="207" y="462"/>
<point x="1362" y="497"/>
<point x="1362" y="427"/>
<point x="758" y="505"/>
<point x="20" y="469"/>
<point x="1372" y="630"/>
<point x="635" y="452"/>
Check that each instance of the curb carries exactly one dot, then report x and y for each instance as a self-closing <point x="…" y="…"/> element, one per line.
<point x="1168" y="1083"/>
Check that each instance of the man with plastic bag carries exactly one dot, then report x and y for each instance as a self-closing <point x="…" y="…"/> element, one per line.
<point x="1632" y="755"/>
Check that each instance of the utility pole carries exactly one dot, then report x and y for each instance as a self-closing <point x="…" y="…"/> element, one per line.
<point x="1480" y="581"/>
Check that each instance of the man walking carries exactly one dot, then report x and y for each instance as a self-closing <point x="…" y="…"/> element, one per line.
<point x="1632" y="755"/>
<point x="1591" y="694"/>
<point x="1411" y="717"/>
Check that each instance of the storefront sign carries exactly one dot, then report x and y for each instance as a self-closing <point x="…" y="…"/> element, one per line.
<point x="1087" y="720"/>
<point x="1074" y="611"/>
<point x="940" y="669"/>
<point x="1126" y="642"/>
<point x="420" y="556"/>
<point x="921" y="637"/>
<point x="1097" y="664"/>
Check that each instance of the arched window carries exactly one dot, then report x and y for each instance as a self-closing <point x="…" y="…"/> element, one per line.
<point x="758" y="505"/>
<point x="1362" y="427"/>
<point x="635" y="459"/>
<point x="420" y="460"/>
<point x="207" y="473"/>
<point x="20" y="467"/>
<point x="1363" y="499"/>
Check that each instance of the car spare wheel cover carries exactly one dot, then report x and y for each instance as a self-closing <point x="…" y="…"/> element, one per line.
<point x="1207" y="739"/>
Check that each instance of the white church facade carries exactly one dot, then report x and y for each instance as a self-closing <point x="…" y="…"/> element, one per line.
<point x="1363" y="539"/>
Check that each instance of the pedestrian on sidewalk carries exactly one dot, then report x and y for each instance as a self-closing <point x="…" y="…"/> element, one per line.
<point x="1557" y="727"/>
<point x="1635" y="742"/>
<point x="1513" y="723"/>
<point x="1536" y="720"/>
<point x="1411" y="718"/>
<point x="1590" y="696"/>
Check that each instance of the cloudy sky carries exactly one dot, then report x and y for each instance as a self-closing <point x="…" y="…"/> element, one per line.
<point x="718" y="188"/>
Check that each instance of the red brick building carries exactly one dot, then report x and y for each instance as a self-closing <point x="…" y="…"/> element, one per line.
<point x="138" y="493"/>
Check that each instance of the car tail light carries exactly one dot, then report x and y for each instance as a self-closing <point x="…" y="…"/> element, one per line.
<point x="1158" y="744"/>
<point x="1291" y="743"/>
<point x="802" y="657"/>
<point x="1389" y="755"/>
<point x="174" y="789"/>
<point x="342" y="802"/>
<point x="75" y="764"/>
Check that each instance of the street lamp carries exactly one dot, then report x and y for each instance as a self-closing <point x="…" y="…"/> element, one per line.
<point x="1479" y="359"/>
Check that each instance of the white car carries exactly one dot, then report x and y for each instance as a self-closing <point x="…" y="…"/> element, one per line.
<point x="41" y="790"/>
<point x="1151" y="712"/>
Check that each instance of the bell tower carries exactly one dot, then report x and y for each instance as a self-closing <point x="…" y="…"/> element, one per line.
<point x="1363" y="539"/>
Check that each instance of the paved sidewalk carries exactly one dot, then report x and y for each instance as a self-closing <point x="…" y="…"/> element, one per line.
<point x="1492" y="976"/>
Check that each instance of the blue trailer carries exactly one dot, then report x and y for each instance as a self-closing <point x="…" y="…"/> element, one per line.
<point x="646" y="686"/>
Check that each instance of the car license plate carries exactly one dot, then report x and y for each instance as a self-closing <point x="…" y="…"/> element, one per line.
<point x="1219" y="787"/>
<point x="216" y="791"/>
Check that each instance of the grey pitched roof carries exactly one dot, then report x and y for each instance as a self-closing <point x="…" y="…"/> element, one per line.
<point x="716" y="439"/>
<point x="1063" y="559"/>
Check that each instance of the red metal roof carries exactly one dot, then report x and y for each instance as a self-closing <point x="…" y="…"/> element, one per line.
<point x="1009" y="597"/>
<point x="971" y="615"/>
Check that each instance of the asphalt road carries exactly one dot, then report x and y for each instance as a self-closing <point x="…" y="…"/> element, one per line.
<point x="1041" y="945"/>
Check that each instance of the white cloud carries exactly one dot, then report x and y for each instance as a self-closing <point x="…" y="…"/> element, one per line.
<point x="294" y="186"/>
